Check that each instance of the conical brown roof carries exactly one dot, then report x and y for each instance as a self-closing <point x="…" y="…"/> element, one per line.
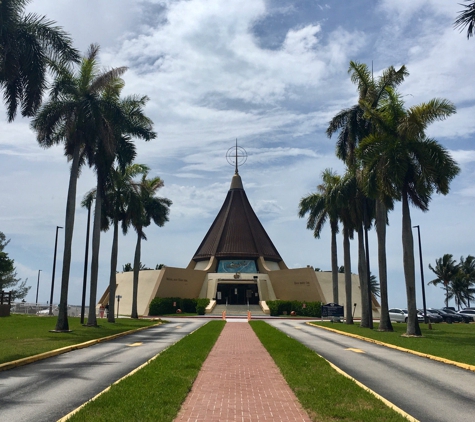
<point x="237" y="232"/>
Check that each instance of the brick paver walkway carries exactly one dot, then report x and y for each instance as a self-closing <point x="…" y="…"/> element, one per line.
<point x="239" y="381"/>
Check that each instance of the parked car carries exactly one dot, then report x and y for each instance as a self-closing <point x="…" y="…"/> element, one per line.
<point x="468" y="311"/>
<point x="448" y="317"/>
<point x="397" y="315"/>
<point x="432" y="316"/>
<point x="466" y="318"/>
<point x="420" y="316"/>
<point x="469" y="315"/>
<point x="400" y="315"/>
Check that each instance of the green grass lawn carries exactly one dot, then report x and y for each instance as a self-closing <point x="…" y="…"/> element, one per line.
<point x="157" y="391"/>
<point x="23" y="335"/>
<point x="324" y="393"/>
<point x="451" y="341"/>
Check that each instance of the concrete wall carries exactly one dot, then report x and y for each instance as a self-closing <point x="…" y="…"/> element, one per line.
<point x="325" y="281"/>
<point x="147" y="284"/>
<point x="296" y="284"/>
<point x="180" y="282"/>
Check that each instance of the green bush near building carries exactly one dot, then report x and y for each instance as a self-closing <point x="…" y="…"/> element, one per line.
<point x="285" y="307"/>
<point x="169" y="305"/>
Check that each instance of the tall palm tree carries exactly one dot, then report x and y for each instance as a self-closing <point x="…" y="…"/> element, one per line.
<point x="466" y="18"/>
<point x="72" y="115"/>
<point x="320" y="207"/>
<point x="467" y="271"/>
<point x="145" y="207"/>
<point x="29" y="46"/>
<point x="445" y="269"/>
<point x="353" y="126"/>
<point x="460" y="289"/>
<point x="117" y="197"/>
<point x="410" y="167"/>
<point x="122" y="119"/>
<point x="345" y="193"/>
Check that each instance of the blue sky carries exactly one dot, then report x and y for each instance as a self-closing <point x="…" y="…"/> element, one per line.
<point x="271" y="74"/>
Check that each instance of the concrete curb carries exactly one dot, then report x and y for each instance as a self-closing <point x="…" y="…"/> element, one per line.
<point x="402" y="349"/>
<point x="30" y="359"/>
<point x="364" y="387"/>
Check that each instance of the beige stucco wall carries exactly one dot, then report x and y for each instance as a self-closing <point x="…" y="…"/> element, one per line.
<point x="325" y="281"/>
<point x="147" y="283"/>
<point x="180" y="282"/>
<point x="296" y="284"/>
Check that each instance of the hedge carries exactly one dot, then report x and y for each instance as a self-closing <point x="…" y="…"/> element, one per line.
<point x="285" y="307"/>
<point x="164" y="305"/>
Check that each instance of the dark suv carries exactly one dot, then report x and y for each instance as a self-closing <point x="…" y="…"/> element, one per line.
<point x="466" y="318"/>
<point x="448" y="316"/>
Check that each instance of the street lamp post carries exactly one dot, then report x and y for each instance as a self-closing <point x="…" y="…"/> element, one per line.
<point x="118" y="301"/>
<point x="54" y="269"/>
<point x="38" y="286"/>
<point x="368" y="271"/>
<point x="422" y="274"/>
<point x="84" y="282"/>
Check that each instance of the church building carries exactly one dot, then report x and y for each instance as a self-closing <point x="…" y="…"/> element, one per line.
<point x="235" y="264"/>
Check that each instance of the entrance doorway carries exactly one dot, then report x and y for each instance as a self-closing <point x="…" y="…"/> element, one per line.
<point x="237" y="294"/>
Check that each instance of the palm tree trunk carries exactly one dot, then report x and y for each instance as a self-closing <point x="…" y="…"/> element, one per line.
<point x="96" y="239"/>
<point x="348" y="286"/>
<point x="363" y="279"/>
<point x="62" y="322"/>
<point x="381" y="218"/>
<point x="413" y="328"/>
<point x="136" y="276"/>
<point x="113" y="275"/>
<point x="334" y="253"/>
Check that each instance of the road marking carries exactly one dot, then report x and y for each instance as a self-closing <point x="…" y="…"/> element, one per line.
<point x="179" y="326"/>
<point x="135" y="344"/>
<point x="351" y="349"/>
<point x="298" y="328"/>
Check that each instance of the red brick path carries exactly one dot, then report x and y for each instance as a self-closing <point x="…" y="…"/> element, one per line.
<point x="239" y="381"/>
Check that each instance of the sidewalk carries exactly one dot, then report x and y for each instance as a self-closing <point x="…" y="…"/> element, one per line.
<point x="239" y="381"/>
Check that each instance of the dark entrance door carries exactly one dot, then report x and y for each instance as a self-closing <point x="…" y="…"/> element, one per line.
<point x="237" y="294"/>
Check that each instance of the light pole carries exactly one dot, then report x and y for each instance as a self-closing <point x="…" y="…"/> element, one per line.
<point x="118" y="301"/>
<point x="368" y="271"/>
<point x="54" y="269"/>
<point x="38" y="286"/>
<point x="422" y="274"/>
<point x="84" y="282"/>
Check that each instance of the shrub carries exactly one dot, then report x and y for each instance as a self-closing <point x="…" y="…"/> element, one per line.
<point x="278" y="307"/>
<point x="164" y="305"/>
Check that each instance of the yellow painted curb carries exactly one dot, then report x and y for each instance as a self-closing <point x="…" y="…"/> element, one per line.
<point x="56" y="352"/>
<point x="364" y="387"/>
<point x="66" y="417"/>
<point x="402" y="349"/>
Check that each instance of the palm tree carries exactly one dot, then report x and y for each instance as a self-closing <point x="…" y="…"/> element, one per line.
<point x="467" y="271"/>
<point x="320" y="207"/>
<point x="117" y="197"/>
<point x="466" y="19"/>
<point x="345" y="193"/>
<point x="353" y="126"/>
<point x="375" y="288"/>
<point x="460" y="289"/>
<point x="145" y="207"/>
<point x="410" y="167"/>
<point x="445" y="269"/>
<point x="122" y="118"/>
<point x="72" y="115"/>
<point x="29" y="46"/>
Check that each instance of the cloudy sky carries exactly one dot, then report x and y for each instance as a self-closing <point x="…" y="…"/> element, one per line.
<point x="271" y="73"/>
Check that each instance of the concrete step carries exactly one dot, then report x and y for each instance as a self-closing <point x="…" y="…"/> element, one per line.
<point x="237" y="310"/>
